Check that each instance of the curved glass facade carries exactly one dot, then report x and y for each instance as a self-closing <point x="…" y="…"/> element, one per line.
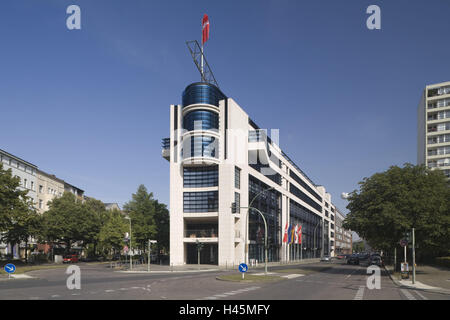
<point x="202" y="93"/>
<point x="201" y="146"/>
<point x="197" y="177"/>
<point x="201" y="120"/>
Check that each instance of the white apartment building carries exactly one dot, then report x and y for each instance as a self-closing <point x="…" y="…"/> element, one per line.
<point x="433" y="140"/>
<point x="27" y="172"/>
<point x="219" y="156"/>
<point x="343" y="237"/>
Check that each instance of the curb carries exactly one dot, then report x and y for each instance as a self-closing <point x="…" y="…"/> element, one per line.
<point x="400" y="285"/>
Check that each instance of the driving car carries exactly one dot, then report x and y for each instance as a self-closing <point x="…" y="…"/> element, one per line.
<point x="353" y="259"/>
<point x="70" y="258"/>
<point x="325" y="258"/>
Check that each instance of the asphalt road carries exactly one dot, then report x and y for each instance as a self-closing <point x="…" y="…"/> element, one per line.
<point x="322" y="281"/>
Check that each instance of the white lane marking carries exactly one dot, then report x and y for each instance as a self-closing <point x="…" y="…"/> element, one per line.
<point x="76" y="294"/>
<point x="408" y="294"/>
<point x="230" y="293"/>
<point x="421" y="295"/>
<point x="109" y="290"/>
<point x="56" y="296"/>
<point x="359" y="294"/>
<point x="292" y="276"/>
<point x="123" y="289"/>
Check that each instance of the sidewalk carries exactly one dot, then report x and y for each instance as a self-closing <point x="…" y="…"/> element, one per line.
<point x="428" y="278"/>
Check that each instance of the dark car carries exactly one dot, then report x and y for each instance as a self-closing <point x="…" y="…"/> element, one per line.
<point x="353" y="259"/>
<point x="376" y="260"/>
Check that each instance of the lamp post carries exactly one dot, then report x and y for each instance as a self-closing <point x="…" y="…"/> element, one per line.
<point x="131" y="252"/>
<point x="315" y="248"/>
<point x="265" y="234"/>
<point x="247" y="223"/>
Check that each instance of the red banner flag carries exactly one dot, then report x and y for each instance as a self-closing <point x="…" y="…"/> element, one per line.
<point x="205" y="28"/>
<point x="285" y="233"/>
<point x="300" y="234"/>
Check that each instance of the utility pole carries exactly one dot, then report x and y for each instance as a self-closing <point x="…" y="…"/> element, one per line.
<point x="413" y="257"/>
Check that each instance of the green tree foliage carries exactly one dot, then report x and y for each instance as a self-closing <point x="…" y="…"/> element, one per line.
<point x="392" y="202"/>
<point x="149" y="218"/>
<point x="18" y="219"/>
<point x="112" y="233"/>
<point x="69" y="221"/>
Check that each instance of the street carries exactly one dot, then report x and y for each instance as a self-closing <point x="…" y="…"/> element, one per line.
<point x="317" y="281"/>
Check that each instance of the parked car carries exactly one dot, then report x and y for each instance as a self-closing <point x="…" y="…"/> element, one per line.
<point x="375" y="259"/>
<point x="353" y="259"/>
<point x="325" y="258"/>
<point x="70" y="258"/>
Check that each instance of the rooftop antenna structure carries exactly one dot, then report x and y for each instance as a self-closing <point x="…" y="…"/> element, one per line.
<point x="198" y="56"/>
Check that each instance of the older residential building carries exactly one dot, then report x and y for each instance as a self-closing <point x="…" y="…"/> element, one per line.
<point x="27" y="172"/>
<point x="49" y="187"/>
<point x="433" y="140"/>
<point x="219" y="159"/>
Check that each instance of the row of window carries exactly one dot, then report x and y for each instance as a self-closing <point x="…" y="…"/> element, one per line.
<point x="201" y="120"/>
<point x="439" y="127"/>
<point x="439" y="115"/>
<point x="439" y="139"/>
<point x="201" y="146"/>
<point x="439" y="163"/>
<point x="439" y="151"/>
<point x="197" y="177"/>
<point x="204" y="201"/>
<point x="301" y="195"/>
<point x="202" y="93"/>
<point x="16" y="164"/>
<point x="305" y="185"/>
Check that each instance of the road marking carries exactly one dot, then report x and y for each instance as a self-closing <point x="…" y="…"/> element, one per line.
<point x="56" y="296"/>
<point x="292" y="276"/>
<point x="109" y="290"/>
<point x="421" y="295"/>
<point x="123" y="289"/>
<point x="230" y="293"/>
<point x="359" y="294"/>
<point x="408" y="294"/>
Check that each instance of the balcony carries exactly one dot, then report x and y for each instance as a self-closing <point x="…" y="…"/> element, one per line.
<point x="166" y="148"/>
<point x="201" y="233"/>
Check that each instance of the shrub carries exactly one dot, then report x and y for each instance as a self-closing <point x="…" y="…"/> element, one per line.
<point x="443" y="261"/>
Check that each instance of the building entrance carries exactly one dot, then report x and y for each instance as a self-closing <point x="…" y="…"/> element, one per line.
<point x="208" y="255"/>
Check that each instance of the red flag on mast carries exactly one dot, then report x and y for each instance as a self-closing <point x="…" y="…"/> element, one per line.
<point x="205" y="28"/>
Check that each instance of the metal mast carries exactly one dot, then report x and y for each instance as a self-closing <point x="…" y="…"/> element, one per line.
<point x="206" y="73"/>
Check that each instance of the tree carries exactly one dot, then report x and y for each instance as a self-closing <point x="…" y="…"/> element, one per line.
<point x="99" y="217"/>
<point x="142" y="211"/>
<point x="162" y="226"/>
<point x="392" y="202"/>
<point x="112" y="233"/>
<point x="18" y="218"/>
<point x="69" y="221"/>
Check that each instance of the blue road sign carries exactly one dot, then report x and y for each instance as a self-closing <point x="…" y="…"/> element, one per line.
<point x="10" y="268"/>
<point x="243" y="267"/>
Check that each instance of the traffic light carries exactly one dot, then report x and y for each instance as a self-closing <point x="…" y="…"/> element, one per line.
<point x="233" y="207"/>
<point x="407" y="236"/>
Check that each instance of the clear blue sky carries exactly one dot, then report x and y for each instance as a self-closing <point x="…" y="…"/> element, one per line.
<point x="91" y="106"/>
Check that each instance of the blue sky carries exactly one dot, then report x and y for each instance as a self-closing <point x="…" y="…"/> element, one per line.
<point x="92" y="105"/>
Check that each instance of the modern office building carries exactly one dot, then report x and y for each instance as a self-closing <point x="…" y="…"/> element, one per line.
<point x="219" y="157"/>
<point x="433" y="140"/>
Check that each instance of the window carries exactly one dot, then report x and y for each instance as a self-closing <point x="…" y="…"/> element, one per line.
<point x="205" y="201"/>
<point x="237" y="200"/>
<point x="304" y="185"/>
<point x="197" y="177"/>
<point x="32" y="185"/>
<point x="203" y="146"/>
<point x="40" y="204"/>
<point x="25" y="183"/>
<point x="301" y="195"/>
<point x="41" y="189"/>
<point x="201" y="120"/>
<point x="237" y="178"/>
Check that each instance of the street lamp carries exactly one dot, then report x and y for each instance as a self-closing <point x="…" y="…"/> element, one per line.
<point x="247" y="223"/>
<point x="131" y="253"/>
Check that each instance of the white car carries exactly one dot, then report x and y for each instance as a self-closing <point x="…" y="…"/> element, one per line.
<point x="325" y="258"/>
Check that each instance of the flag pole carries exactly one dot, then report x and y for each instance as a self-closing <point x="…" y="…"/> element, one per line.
<point x="202" y="61"/>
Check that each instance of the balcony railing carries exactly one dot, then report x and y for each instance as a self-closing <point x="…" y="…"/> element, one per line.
<point x="165" y="143"/>
<point x="201" y="233"/>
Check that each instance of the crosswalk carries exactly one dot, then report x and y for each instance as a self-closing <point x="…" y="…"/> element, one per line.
<point x="229" y="294"/>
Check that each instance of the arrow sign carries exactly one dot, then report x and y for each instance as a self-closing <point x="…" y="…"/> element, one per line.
<point x="10" y="268"/>
<point x="243" y="267"/>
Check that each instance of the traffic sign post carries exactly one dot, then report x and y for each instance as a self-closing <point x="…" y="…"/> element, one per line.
<point x="10" y="268"/>
<point x="405" y="270"/>
<point x="243" y="268"/>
